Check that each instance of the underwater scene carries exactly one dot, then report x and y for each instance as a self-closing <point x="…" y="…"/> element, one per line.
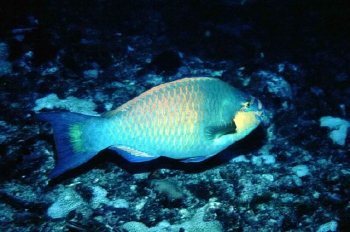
<point x="174" y="116"/>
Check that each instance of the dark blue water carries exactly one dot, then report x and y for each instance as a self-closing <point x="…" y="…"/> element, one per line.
<point x="290" y="174"/>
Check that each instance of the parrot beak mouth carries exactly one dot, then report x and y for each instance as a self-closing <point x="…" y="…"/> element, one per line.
<point x="260" y="109"/>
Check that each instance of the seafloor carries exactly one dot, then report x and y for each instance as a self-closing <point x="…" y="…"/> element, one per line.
<point x="290" y="174"/>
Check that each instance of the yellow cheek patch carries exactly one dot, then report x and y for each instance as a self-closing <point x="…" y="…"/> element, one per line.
<point x="245" y="121"/>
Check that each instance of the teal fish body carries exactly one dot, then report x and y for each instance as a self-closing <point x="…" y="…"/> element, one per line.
<point x="190" y="119"/>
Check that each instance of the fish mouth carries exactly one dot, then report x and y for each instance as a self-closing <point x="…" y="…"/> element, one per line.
<point x="258" y="108"/>
<point x="259" y="114"/>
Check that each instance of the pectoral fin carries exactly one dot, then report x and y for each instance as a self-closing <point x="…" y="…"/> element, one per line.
<point x="216" y="131"/>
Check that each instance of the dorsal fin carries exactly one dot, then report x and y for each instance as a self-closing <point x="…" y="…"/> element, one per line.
<point x="110" y="114"/>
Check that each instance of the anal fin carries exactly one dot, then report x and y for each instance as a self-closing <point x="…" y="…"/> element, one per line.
<point x="195" y="159"/>
<point x="133" y="155"/>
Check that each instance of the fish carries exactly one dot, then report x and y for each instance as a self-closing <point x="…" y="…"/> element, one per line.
<point x="190" y="119"/>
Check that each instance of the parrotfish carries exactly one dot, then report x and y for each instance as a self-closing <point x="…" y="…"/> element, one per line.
<point x="190" y="119"/>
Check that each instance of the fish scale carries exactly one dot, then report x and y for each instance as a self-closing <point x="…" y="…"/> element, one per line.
<point x="186" y="119"/>
<point x="190" y="119"/>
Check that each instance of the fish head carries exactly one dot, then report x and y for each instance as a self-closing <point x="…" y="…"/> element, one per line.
<point x="255" y="107"/>
<point x="248" y="117"/>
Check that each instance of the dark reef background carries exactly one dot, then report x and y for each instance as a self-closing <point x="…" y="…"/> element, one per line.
<point x="290" y="174"/>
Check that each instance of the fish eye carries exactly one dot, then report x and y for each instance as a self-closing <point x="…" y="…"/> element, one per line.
<point x="246" y="105"/>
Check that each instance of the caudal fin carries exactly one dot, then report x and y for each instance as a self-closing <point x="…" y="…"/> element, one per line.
<point x="67" y="131"/>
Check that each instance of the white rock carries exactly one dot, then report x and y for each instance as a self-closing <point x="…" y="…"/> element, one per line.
<point x="329" y="226"/>
<point x="300" y="170"/>
<point x="339" y="128"/>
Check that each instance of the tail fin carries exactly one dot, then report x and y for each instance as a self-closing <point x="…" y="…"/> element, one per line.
<point x="67" y="130"/>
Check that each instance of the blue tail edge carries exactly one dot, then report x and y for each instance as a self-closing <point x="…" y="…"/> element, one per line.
<point x="67" y="157"/>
